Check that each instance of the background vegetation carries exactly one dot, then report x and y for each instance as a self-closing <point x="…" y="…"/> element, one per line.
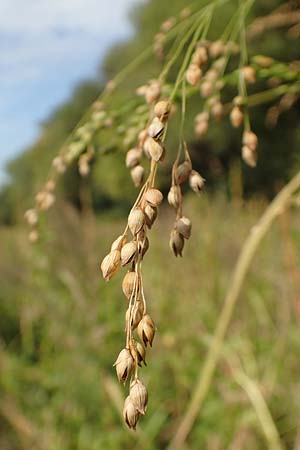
<point x="61" y="325"/>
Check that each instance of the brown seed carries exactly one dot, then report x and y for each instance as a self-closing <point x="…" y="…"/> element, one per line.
<point x="146" y="330"/>
<point x="156" y="128"/>
<point x="193" y="74"/>
<point x="184" y="227"/>
<point x="150" y="215"/>
<point x="110" y="264"/>
<point x="176" y="242"/>
<point x="133" y="157"/>
<point x="154" y="148"/>
<point x="249" y="156"/>
<point x="153" y="197"/>
<point x="201" y="128"/>
<point x="153" y="92"/>
<point x="236" y="117"/>
<point x="31" y="217"/>
<point x="136" y="220"/>
<point x="119" y="242"/>
<point x="162" y="109"/>
<point x="200" y="56"/>
<point x="136" y="316"/>
<point x="128" y="252"/>
<point x="137" y="174"/>
<point x="206" y="88"/>
<point x="183" y="171"/>
<point x="196" y="181"/>
<point x="124" y="365"/>
<point x="217" y="110"/>
<point x="250" y="139"/>
<point x="216" y="48"/>
<point x="249" y="74"/>
<point x="130" y="414"/>
<point x="139" y="396"/>
<point x="141" y="354"/>
<point x="174" y="196"/>
<point x="130" y="284"/>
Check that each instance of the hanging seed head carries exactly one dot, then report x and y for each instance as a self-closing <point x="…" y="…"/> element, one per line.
<point x="119" y="242"/>
<point x="154" y="148"/>
<point x="162" y="109"/>
<point x="236" y="116"/>
<point x="249" y="74"/>
<point x="110" y="264"/>
<point x="183" y="171"/>
<point x="184" y="227"/>
<point x="136" y="220"/>
<point x="196" y="181"/>
<point x="176" y="242"/>
<point x="150" y="215"/>
<point x="250" y="139"/>
<point x="193" y="74"/>
<point x="31" y="217"/>
<point x="130" y="284"/>
<point x="146" y="330"/>
<point x="137" y="174"/>
<point x="133" y="157"/>
<point x="156" y="128"/>
<point x="153" y="197"/>
<point x="130" y="414"/>
<point x="136" y="315"/>
<point x="153" y="92"/>
<point x="124" y="365"/>
<point x="139" y="395"/>
<point x="249" y="156"/>
<point x="128" y="252"/>
<point x="174" y="196"/>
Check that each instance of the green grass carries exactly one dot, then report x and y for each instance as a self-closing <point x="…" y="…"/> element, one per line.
<point x="62" y="328"/>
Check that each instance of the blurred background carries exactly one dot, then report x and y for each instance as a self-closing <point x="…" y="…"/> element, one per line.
<point x="61" y="324"/>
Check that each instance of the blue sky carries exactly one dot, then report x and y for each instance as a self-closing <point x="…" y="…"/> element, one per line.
<point x="46" y="48"/>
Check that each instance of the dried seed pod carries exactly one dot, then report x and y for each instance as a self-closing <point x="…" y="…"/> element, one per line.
<point x="124" y="365"/>
<point x="150" y="215"/>
<point x="183" y="171"/>
<point x="139" y="396"/>
<point x="236" y="116"/>
<point x="31" y="217"/>
<point x="249" y="74"/>
<point x="200" y="56"/>
<point x="137" y="174"/>
<point x="174" y="196"/>
<point x="217" y="110"/>
<point x="128" y="252"/>
<point x="141" y="354"/>
<point x="154" y="148"/>
<point x="130" y="284"/>
<point x="136" y="316"/>
<point x="133" y="157"/>
<point x="146" y="330"/>
<point x="130" y="414"/>
<point x="153" y="197"/>
<point x="136" y="220"/>
<point x="216" y="48"/>
<point x="249" y="156"/>
<point x="196" y="181"/>
<point x="193" y="74"/>
<point x="176" y="242"/>
<point x="119" y="242"/>
<point x="110" y="264"/>
<point x="250" y="139"/>
<point x="212" y="75"/>
<point x="156" y="128"/>
<point x="201" y="128"/>
<point x="153" y="92"/>
<point x="184" y="227"/>
<point x="162" y="109"/>
<point x="206" y="88"/>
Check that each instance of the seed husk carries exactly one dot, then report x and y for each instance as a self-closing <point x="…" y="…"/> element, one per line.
<point x="130" y="284"/>
<point x="176" y="242"/>
<point x="183" y="171"/>
<point x="119" y="242"/>
<point x="124" y="365"/>
<point x="236" y="117"/>
<point x="128" y="252"/>
<point x="193" y="74"/>
<point x="133" y="157"/>
<point x="146" y="330"/>
<point x="150" y="215"/>
<point x="139" y="396"/>
<point x="196" y="181"/>
<point x="162" y="109"/>
<point x="250" y="139"/>
<point x="110" y="264"/>
<point x="137" y="174"/>
<point x="249" y="156"/>
<point x="153" y="197"/>
<point x="154" y="148"/>
<point x="174" y="196"/>
<point x="130" y="413"/>
<point x="137" y="314"/>
<point x="136" y="220"/>
<point x="184" y="227"/>
<point x="156" y="128"/>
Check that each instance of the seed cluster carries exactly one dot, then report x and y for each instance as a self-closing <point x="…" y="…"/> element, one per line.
<point x="128" y="250"/>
